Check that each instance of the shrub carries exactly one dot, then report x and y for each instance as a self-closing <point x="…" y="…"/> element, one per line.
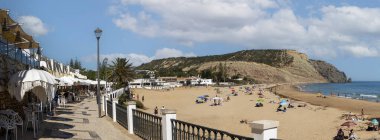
<point x="123" y="99"/>
<point x="139" y="104"/>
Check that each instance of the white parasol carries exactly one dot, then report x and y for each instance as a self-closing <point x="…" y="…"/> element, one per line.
<point x="66" y="81"/>
<point x="40" y="82"/>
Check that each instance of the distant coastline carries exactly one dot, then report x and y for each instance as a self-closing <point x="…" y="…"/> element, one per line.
<point x="350" y="105"/>
<point x="361" y="90"/>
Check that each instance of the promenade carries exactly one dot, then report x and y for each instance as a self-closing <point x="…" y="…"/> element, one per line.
<point x="80" y="121"/>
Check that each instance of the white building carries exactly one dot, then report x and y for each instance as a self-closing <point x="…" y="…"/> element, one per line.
<point x="200" y="81"/>
<point x="206" y="82"/>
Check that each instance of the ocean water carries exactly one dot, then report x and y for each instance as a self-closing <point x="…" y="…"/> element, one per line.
<point x="357" y="90"/>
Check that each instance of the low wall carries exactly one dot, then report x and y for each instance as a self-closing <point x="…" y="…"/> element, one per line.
<point x="8" y="67"/>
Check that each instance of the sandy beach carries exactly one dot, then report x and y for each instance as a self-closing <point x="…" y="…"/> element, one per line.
<point x="299" y="123"/>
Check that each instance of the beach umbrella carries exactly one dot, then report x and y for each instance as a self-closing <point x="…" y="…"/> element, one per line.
<point x="41" y="82"/>
<point x="66" y="81"/>
<point x="348" y="124"/>
<point x="283" y="103"/>
<point x="375" y="122"/>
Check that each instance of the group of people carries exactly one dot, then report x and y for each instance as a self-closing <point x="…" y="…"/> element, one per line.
<point x="340" y="135"/>
<point x="138" y="97"/>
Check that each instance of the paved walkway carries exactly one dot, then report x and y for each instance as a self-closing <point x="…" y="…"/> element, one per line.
<point x="80" y="121"/>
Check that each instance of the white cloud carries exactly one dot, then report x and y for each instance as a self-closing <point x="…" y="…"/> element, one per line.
<point x="361" y="51"/>
<point x="138" y="59"/>
<point x="253" y="24"/>
<point x="169" y="52"/>
<point x="33" y="25"/>
<point x="135" y="59"/>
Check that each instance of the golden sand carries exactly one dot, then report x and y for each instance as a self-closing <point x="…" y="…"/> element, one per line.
<point x="300" y="123"/>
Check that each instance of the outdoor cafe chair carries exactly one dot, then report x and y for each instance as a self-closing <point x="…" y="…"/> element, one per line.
<point x="31" y="117"/>
<point x="8" y="124"/>
<point x="15" y="117"/>
<point x="39" y="111"/>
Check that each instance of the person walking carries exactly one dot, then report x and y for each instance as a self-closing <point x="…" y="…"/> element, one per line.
<point x="156" y="111"/>
<point x="142" y="98"/>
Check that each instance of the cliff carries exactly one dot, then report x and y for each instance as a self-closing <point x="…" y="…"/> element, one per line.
<point x="329" y="72"/>
<point x="262" y="66"/>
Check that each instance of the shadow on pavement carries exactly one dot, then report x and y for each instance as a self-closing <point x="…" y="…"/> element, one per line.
<point x="56" y="130"/>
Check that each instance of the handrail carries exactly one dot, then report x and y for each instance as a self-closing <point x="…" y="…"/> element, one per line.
<point x="115" y="93"/>
<point x="109" y="108"/>
<point x="147" y="126"/>
<point x="27" y="58"/>
<point x="11" y="51"/>
<point x="122" y="115"/>
<point x="197" y="131"/>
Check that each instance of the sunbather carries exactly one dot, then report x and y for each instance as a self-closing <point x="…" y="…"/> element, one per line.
<point x="352" y="135"/>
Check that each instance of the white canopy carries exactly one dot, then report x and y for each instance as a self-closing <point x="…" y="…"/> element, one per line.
<point x="66" y="81"/>
<point x="40" y="82"/>
<point x="90" y="82"/>
<point x="102" y="82"/>
<point x="84" y="82"/>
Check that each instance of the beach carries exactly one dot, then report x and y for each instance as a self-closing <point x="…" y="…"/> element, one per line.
<point x="299" y="123"/>
<point x="320" y="119"/>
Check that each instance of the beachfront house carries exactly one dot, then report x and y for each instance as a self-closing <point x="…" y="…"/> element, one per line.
<point x="149" y="84"/>
<point x="170" y="81"/>
<point x="196" y="81"/>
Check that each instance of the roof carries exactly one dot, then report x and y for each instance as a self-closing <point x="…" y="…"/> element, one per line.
<point x="14" y="33"/>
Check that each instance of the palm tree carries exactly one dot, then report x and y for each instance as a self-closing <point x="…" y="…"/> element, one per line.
<point x="122" y="73"/>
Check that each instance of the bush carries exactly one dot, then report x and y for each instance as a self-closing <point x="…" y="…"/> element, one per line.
<point x="123" y="99"/>
<point x="139" y="104"/>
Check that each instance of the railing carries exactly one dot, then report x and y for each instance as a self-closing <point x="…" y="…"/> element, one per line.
<point x="122" y="115"/>
<point x="115" y="93"/>
<point x="13" y="52"/>
<point x="187" y="131"/>
<point x="147" y="126"/>
<point x="109" y="108"/>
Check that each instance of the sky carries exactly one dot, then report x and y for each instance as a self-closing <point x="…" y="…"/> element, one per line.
<point x="345" y="33"/>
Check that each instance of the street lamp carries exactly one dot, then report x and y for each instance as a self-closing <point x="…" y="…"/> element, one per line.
<point x="98" y="33"/>
<point x="104" y="65"/>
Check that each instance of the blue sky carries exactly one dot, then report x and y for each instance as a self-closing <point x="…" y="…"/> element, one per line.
<point x="342" y="32"/>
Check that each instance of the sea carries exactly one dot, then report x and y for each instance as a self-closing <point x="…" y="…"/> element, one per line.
<point x="362" y="90"/>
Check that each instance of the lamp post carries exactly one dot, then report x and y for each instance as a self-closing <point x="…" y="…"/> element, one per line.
<point x="104" y="65"/>
<point x="98" y="33"/>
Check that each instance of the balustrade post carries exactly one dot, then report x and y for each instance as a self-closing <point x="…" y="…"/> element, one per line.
<point x="167" y="116"/>
<point x="103" y="102"/>
<point x="105" y="105"/>
<point x="114" y="110"/>
<point x="264" y="129"/>
<point x="131" y="105"/>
